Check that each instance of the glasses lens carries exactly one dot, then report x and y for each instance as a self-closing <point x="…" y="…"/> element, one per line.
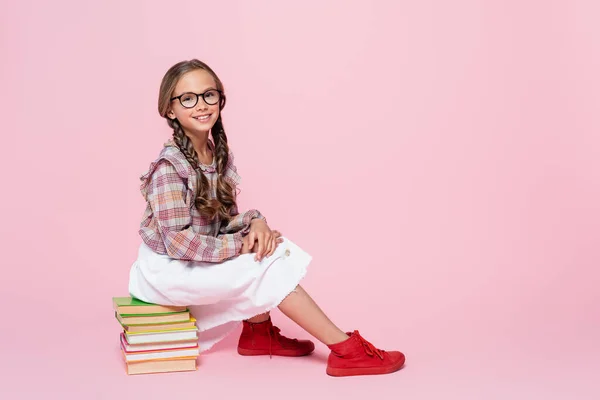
<point x="212" y="97"/>
<point x="189" y="100"/>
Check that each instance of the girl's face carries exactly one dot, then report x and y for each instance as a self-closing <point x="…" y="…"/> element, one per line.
<point x="197" y="104"/>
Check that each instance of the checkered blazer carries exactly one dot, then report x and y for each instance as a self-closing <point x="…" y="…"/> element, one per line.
<point x="172" y="225"/>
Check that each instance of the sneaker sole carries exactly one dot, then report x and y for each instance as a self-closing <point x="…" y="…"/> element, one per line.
<point x="283" y="353"/>
<point x="338" y="372"/>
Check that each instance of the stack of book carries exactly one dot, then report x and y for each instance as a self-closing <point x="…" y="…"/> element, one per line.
<point x="156" y="338"/>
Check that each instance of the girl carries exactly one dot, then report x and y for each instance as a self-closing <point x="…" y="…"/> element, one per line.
<point x="198" y="250"/>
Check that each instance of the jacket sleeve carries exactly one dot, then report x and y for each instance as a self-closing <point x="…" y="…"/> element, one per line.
<point x="240" y="223"/>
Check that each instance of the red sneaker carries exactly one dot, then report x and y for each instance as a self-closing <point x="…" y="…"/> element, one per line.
<point x="258" y="339"/>
<point x="356" y="356"/>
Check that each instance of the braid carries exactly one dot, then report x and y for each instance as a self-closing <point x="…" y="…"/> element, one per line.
<point x="225" y="195"/>
<point x="224" y="203"/>
<point x="204" y="206"/>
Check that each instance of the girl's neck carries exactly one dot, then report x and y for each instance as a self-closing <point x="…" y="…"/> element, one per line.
<point x="200" y="142"/>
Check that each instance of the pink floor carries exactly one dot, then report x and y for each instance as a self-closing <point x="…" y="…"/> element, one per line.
<point x="453" y="363"/>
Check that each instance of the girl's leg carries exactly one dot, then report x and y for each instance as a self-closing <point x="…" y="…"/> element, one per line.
<point x="257" y="319"/>
<point x="349" y="356"/>
<point x="303" y="310"/>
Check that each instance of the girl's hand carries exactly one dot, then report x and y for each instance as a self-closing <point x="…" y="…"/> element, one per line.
<point x="276" y="240"/>
<point x="266" y="238"/>
<point x="245" y="245"/>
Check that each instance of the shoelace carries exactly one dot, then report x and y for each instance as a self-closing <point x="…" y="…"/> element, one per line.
<point x="369" y="348"/>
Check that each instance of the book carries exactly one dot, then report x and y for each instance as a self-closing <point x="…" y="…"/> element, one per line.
<point x="132" y="305"/>
<point x="165" y="326"/>
<point x="138" y="319"/>
<point x="191" y="328"/>
<point x="160" y="354"/>
<point x="157" y="366"/>
<point x="159" y="337"/>
<point x="133" y="348"/>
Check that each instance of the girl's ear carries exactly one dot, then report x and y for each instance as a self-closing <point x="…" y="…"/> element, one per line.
<point x="171" y="114"/>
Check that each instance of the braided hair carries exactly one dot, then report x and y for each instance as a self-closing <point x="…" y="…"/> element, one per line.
<point x="225" y="201"/>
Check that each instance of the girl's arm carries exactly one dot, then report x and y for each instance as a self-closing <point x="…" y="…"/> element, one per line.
<point x="240" y="222"/>
<point x="167" y="195"/>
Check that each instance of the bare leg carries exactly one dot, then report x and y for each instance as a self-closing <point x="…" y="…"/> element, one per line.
<point x="303" y="310"/>
<point x="257" y="319"/>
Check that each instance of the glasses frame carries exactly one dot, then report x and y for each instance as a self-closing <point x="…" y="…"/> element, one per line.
<point x="198" y="95"/>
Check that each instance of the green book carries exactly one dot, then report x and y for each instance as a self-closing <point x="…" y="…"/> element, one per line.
<point x="133" y="306"/>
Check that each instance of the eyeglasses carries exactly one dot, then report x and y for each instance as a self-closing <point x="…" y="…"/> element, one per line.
<point x="189" y="100"/>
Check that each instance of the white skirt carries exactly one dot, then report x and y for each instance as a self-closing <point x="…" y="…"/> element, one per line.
<point x="219" y="295"/>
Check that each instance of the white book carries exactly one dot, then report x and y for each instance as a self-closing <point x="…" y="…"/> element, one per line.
<point x="154" y="355"/>
<point x="132" y="348"/>
<point x="160" y="337"/>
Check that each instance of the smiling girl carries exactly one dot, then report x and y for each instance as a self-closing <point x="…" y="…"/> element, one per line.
<point x="198" y="250"/>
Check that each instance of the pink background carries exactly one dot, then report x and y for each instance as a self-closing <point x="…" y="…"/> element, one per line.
<point x="440" y="161"/>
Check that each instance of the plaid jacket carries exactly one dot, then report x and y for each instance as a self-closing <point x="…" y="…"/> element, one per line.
<point x="171" y="223"/>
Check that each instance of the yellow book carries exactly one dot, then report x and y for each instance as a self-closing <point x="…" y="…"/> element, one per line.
<point x="163" y="327"/>
<point x="153" y="319"/>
